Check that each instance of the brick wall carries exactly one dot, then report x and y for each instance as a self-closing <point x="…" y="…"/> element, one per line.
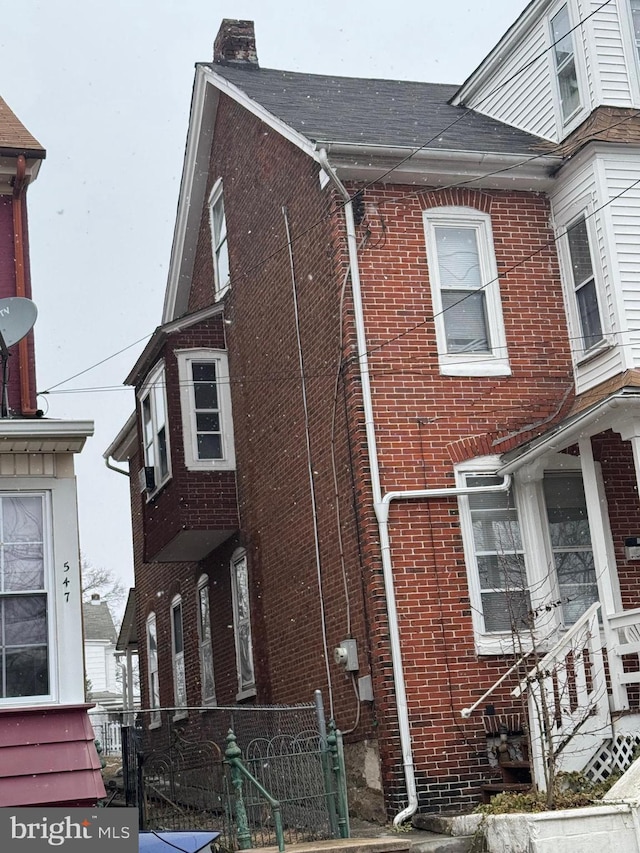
<point x="424" y="422"/>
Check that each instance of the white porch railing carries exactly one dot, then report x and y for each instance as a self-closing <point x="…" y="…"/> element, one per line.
<point x="623" y="638"/>
<point x="567" y="701"/>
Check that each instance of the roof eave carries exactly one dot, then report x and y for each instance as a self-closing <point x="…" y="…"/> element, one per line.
<point x="437" y="167"/>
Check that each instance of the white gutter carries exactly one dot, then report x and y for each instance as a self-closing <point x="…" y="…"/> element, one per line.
<point x="394" y="636"/>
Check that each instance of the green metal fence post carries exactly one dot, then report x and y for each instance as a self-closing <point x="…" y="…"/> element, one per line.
<point x="334" y="741"/>
<point x="232" y="753"/>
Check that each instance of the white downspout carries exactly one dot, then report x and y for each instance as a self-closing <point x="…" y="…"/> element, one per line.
<point x="381" y="504"/>
<point x="394" y="636"/>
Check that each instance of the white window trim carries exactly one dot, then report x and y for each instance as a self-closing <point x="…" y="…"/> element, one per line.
<point x="566" y="125"/>
<point x="244" y="691"/>
<point x="155" y="715"/>
<point x="178" y="663"/>
<point x="156" y="378"/>
<point x="52" y="595"/>
<point x="205" y="647"/>
<point x="495" y="362"/>
<point x="570" y="216"/>
<point x="538" y="554"/>
<point x="632" y="56"/>
<point x="215" y="196"/>
<point x="187" y="406"/>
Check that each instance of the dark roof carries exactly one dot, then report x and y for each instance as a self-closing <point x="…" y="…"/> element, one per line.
<point x="376" y="112"/>
<point x="14" y="136"/>
<point x="98" y="622"/>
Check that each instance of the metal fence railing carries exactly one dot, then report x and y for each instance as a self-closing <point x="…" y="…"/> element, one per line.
<point x="175" y="772"/>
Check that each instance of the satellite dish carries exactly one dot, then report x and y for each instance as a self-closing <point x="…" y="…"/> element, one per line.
<point x="17" y="316"/>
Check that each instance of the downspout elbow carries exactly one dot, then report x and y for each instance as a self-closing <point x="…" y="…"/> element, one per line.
<point x="114" y="468"/>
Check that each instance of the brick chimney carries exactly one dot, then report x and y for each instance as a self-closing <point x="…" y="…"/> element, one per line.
<point x="235" y="44"/>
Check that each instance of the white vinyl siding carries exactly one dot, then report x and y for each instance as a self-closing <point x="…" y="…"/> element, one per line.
<point x="519" y="92"/>
<point x="612" y="66"/>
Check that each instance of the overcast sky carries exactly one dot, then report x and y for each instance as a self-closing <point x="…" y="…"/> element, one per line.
<point x="106" y="88"/>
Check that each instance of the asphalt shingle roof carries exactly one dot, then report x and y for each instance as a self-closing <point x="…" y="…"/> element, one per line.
<point x="14" y="135"/>
<point x="98" y="622"/>
<point x="376" y="112"/>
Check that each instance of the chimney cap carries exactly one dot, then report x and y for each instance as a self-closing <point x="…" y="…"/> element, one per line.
<point x="235" y="44"/>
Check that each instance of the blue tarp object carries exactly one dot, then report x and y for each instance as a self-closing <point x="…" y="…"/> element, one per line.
<point x="187" y="841"/>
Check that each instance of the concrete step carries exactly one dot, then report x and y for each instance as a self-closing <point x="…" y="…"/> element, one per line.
<point x="415" y="841"/>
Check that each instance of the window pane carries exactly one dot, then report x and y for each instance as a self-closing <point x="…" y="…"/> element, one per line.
<point x="204" y="622"/>
<point x="580" y="252"/>
<point x="206" y="395"/>
<point x="203" y="371"/>
<point x="177" y="630"/>
<point x="458" y="260"/>
<point x="465" y="321"/>
<point x="218" y="217"/>
<point x="635" y="11"/>
<point x="506" y="611"/>
<point x="208" y="422"/>
<point x="22" y="519"/>
<point x="206" y="671"/>
<point x="209" y="446"/>
<point x="26" y="671"/>
<point x="246" y="657"/>
<point x="24" y="620"/>
<point x="502" y="571"/>
<point x="23" y="567"/>
<point x="180" y="684"/>
<point x="589" y="314"/>
<point x="222" y="264"/>
<point x="163" y="463"/>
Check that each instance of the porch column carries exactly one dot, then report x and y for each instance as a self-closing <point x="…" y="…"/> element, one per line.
<point x="630" y="431"/>
<point x="604" y="561"/>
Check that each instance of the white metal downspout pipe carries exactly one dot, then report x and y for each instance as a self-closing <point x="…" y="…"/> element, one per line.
<point x="394" y="635"/>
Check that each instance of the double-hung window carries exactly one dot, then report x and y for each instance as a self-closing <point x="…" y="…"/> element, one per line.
<point x="152" y="670"/>
<point x="24" y="629"/>
<point x="465" y="292"/>
<point x="583" y="283"/>
<point x="530" y="561"/>
<point x="242" y="625"/>
<point x="207" y="683"/>
<point x="565" y="64"/>
<point x="205" y="397"/>
<point x="219" y="246"/>
<point x="177" y="650"/>
<point x="155" y="434"/>
<point x="497" y="554"/>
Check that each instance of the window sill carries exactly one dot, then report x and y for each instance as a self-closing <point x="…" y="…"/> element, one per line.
<point x="595" y="351"/>
<point x="180" y="715"/>
<point x="246" y="694"/>
<point x="209" y="465"/>
<point x="155" y="725"/>
<point x="487" y="366"/>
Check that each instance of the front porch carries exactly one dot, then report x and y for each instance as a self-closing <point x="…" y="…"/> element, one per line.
<point x="574" y="642"/>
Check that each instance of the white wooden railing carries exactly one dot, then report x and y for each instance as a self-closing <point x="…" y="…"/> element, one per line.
<point x="567" y="699"/>
<point x="623" y="638"/>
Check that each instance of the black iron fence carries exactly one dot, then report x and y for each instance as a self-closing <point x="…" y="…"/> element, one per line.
<point x="175" y="773"/>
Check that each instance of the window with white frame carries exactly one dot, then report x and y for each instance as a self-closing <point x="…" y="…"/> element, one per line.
<point x="565" y="64"/>
<point x="583" y="283"/>
<point x="177" y="654"/>
<point x="24" y="582"/>
<point x="242" y="625"/>
<point x="207" y="683"/>
<point x="530" y="563"/>
<point x="219" y="246"/>
<point x="155" y="433"/>
<point x="152" y="668"/>
<point x="205" y="398"/>
<point x="465" y="292"/>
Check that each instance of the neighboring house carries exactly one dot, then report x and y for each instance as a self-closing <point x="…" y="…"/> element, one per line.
<point x="47" y="755"/>
<point x="100" y="665"/>
<point x="394" y="401"/>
